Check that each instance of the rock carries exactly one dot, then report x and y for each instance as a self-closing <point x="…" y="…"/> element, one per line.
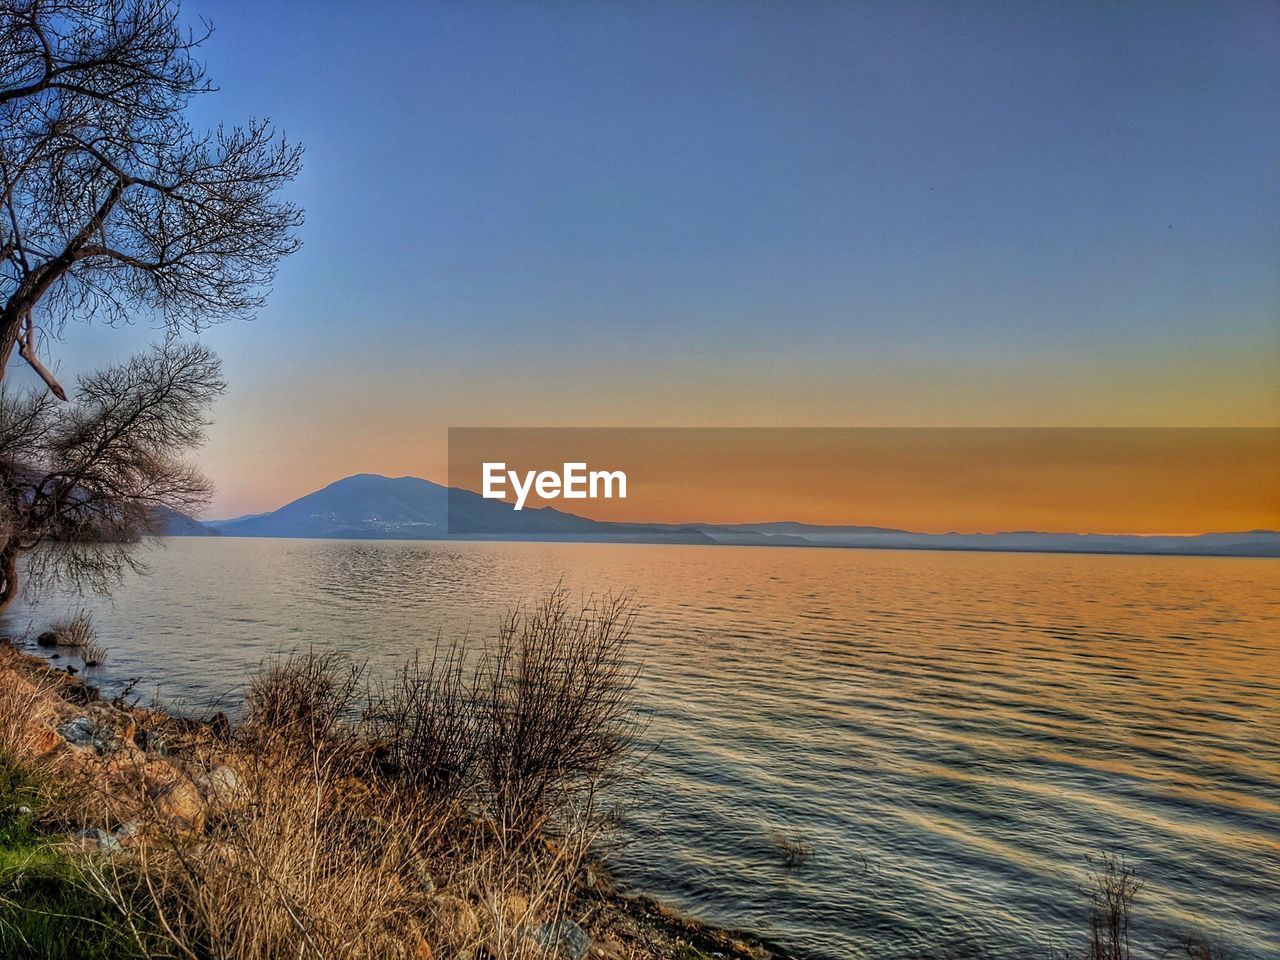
<point x="221" y="788"/>
<point x="151" y="742"/>
<point x="24" y="811"/>
<point x="45" y="740"/>
<point x="78" y="732"/>
<point x="121" y="722"/>
<point x="99" y="838"/>
<point x="128" y="829"/>
<point x="47" y="639"/>
<point x="181" y="804"/>
<point x="608" y="950"/>
<point x="103" y="727"/>
<point x="422" y="872"/>
<point x="456" y="915"/>
<point x="564" y="938"/>
<point x="220" y="726"/>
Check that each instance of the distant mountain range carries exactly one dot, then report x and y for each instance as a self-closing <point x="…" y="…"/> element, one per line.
<point x="372" y="507"/>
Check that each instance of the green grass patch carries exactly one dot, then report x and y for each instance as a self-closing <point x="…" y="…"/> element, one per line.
<point x="48" y="911"/>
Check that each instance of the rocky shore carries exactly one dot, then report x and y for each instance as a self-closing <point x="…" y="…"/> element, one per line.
<point x="128" y="775"/>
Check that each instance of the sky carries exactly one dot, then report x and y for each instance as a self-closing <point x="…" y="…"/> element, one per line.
<point x="740" y="214"/>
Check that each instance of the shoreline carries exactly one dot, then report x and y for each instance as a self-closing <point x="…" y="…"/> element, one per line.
<point x="73" y="730"/>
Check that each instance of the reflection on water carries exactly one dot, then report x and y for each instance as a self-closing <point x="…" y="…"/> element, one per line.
<point x="953" y="733"/>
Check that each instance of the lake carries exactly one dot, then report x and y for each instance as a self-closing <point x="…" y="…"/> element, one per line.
<point x="955" y="734"/>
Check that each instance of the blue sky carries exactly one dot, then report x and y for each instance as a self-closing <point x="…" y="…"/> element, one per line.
<point x="713" y="213"/>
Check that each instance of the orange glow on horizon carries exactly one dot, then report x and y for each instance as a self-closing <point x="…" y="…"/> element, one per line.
<point x="1126" y="481"/>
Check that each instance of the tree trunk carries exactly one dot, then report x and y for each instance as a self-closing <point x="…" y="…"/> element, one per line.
<point x="8" y="574"/>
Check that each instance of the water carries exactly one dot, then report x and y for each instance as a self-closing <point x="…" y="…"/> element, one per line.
<point x="953" y="733"/>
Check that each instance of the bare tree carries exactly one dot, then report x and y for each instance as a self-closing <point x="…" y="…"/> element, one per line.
<point x="111" y="205"/>
<point x="84" y="481"/>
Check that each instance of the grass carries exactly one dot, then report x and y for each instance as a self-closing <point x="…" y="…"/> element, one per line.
<point x="794" y="850"/>
<point x="93" y="653"/>
<point x="447" y="813"/>
<point x="74" y="631"/>
<point x="48" y="908"/>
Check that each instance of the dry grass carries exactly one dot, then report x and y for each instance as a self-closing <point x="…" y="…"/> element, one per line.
<point x="25" y="714"/>
<point x="75" y="631"/>
<point x="795" y="850"/>
<point x="291" y="866"/>
<point x="451" y="818"/>
<point x="1113" y="887"/>
<point x="93" y="653"/>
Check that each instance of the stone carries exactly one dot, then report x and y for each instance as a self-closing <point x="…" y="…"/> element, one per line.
<point x="456" y="914"/>
<point x="564" y="938"/>
<point x="152" y="742"/>
<point x="79" y="732"/>
<point x="47" y="639"/>
<point x="103" y="727"/>
<point x="181" y="804"/>
<point x="45" y="740"/>
<point x="104" y="841"/>
<point x="221" y="788"/>
<point x="608" y="950"/>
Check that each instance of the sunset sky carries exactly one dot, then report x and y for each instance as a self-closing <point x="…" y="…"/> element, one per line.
<point x="930" y="480"/>
<point x="739" y="214"/>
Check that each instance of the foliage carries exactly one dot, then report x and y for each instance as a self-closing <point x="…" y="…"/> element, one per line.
<point x="113" y="205"/>
<point x="85" y="481"/>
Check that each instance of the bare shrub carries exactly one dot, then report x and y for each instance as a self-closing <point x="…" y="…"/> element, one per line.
<point x="795" y="850"/>
<point x="93" y="653"/>
<point x="75" y="631"/>
<point x="425" y="726"/>
<point x="555" y="696"/>
<point x="1113" y="887"/>
<point x="303" y="700"/>
<point x="544" y="717"/>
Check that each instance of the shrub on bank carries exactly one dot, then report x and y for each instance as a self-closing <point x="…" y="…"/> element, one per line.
<point x="315" y="828"/>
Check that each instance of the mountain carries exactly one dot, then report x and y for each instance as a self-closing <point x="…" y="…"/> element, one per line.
<point x="175" y="524"/>
<point x="368" y="506"/>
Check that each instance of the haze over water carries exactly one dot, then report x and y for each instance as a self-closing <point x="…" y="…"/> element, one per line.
<point x="954" y="733"/>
